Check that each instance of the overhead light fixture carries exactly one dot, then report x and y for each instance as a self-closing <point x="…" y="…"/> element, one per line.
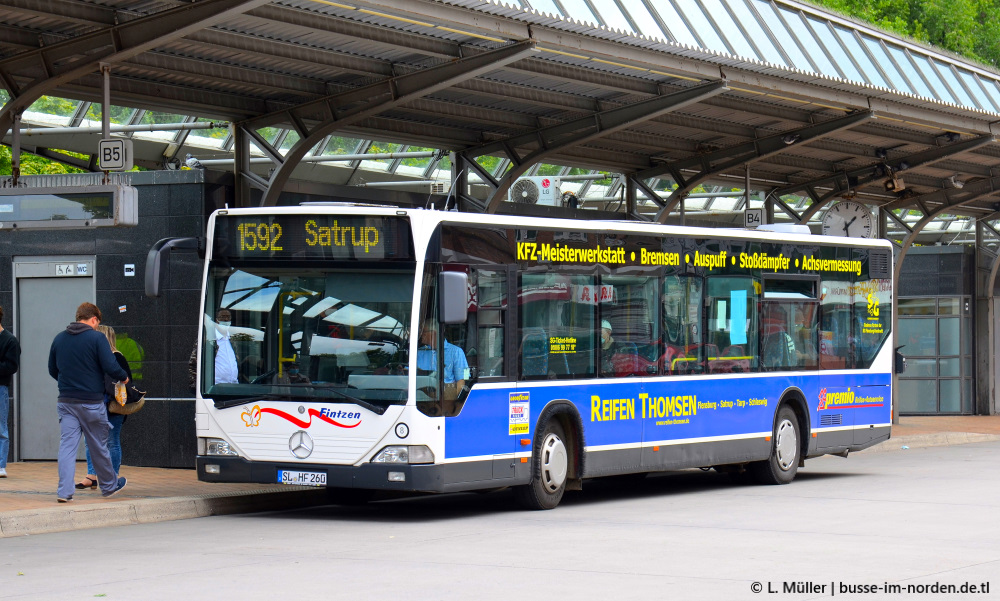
<point x="894" y="184"/>
<point x="791" y="138"/>
<point x="955" y="182"/>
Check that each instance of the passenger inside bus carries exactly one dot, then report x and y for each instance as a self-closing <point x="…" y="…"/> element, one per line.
<point x="226" y="365"/>
<point x="456" y="367"/>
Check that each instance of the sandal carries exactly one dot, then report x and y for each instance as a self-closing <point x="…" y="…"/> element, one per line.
<point x="88" y="482"/>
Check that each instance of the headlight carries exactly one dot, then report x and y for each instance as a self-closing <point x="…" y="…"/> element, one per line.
<point x="217" y="446"/>
<point x="404" y="454"/>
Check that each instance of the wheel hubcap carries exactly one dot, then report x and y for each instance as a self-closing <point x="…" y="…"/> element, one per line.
<point x="555" y="463"/>
<point x="786" y="445"/>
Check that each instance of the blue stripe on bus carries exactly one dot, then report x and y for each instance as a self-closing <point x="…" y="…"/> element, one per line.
<point x="626" y="412"/>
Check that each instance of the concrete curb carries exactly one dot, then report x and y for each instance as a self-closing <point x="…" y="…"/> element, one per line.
<point x="146" y="511"/>
<point x="939" y="439"/>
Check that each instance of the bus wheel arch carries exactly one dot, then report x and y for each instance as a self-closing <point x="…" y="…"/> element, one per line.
<point x="557" y="451"/>
<point x="795" y="399"/>
<point x="789" y="442"/>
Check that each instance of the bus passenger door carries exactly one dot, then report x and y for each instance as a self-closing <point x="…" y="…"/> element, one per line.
<point x="493" y="413"/>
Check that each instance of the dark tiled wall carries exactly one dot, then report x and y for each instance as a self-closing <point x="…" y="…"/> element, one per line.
<point x="163" y="433"/>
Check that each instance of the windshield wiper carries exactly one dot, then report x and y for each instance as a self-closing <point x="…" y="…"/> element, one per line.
<point x="224" y="403"/>
<point x="379" y="409"/>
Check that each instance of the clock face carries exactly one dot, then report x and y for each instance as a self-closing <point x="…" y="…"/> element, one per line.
<point x="848" y="218"/>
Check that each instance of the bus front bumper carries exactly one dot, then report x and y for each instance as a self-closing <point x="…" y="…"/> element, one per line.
<point x="404" y="477"/>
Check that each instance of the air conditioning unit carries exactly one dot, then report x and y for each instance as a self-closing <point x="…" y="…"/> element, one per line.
<point x="536" y="189"/>
<point x="440" y="187"/>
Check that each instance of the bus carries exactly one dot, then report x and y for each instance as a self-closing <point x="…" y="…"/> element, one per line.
<point x="397" y="349"/>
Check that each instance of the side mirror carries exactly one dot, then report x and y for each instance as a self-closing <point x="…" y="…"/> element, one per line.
<point x="454" y="295"/>
<point x="157" y="258"/>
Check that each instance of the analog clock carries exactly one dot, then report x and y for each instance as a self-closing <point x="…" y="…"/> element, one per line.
<point x="849" y="218"/>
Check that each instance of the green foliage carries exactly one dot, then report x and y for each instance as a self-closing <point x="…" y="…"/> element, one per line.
<point x="34" y="165"/>
<point x="970" y="28"/>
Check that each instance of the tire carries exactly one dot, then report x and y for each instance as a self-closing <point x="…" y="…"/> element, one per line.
<point x="783" y="464"/>
<point x="549" y="470"/>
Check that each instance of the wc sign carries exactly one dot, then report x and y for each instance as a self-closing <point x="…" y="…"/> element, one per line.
<point x="115" y="154"/>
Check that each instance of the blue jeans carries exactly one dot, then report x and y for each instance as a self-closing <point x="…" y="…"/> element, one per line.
<point x="114" y="444"/>
<point x="4" y="438"/>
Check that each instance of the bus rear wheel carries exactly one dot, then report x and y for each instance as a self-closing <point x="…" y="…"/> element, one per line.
<point x="783" y="464"/>
<point x="549" y="470"/>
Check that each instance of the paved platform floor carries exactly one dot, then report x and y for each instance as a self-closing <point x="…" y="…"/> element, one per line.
<point x="28" y="496"/>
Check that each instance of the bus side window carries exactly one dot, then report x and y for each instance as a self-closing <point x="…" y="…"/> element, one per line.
<point x="681" y="302"/>
<point x="556" y="335"/>
<point x="732" y="324"/>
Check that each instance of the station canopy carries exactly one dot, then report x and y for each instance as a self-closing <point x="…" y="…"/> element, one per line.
<point x="658" y="110"/>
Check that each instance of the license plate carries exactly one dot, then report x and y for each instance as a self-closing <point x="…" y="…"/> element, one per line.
<point x="302" y="478"/>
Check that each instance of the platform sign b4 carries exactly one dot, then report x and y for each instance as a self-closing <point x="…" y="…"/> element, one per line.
<point x="115" y="154"/>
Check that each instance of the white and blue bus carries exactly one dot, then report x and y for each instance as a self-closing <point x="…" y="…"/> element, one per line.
<point x="382" y="348"/>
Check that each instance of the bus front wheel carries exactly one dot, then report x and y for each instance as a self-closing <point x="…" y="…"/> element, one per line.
<point x="549" y="470"/>
<point x="782" y="465"/>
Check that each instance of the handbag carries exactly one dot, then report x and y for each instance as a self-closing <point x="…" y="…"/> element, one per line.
<point x="134" y="400"/>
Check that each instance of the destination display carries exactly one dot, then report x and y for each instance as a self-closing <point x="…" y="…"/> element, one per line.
<point x="333" y="237"/>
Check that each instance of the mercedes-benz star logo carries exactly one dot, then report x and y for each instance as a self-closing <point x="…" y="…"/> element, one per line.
<point x="300" y="444"/>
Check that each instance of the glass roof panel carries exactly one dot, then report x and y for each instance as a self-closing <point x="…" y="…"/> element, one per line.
<point x="379" y="164"/>
<point x="896" y="80"/>
<point x="289" y="140"/>
<point x="972" y="84"/>
<point x="120" y="115"/>
<point x="644" y="20"/>
<point x="678" y="29"/>
<point x="941" y="91"/>
<point x="810" y="45"/>
<point x="903" y="62"/>
<point x="342" y="145"/>
<point x="853" y="47"/>
<point x="612" y="15"/>
<point x="752" y="29"/>
<point x="828" y="40"/>
<point x="703" y="28"/>
<point x="992" y="87"/>
<point x="579" y="10"/>
<point x="956" y="87"/>
<point x="733" y="32"/>
<point x="209" y="138"/>
<point x="779" y="30"/>
<point x="545" y="6"/>
<point x="51" y="109"/>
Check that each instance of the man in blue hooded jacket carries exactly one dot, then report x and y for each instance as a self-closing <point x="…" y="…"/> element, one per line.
<point x="79" y="359"/>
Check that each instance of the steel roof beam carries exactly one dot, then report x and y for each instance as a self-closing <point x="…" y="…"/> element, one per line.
<point x="52" y="66"/>
<point x="349" y="108"/>
<point x="552" y="139"/>
<point x="841" y="183"/>
<point x="949" y="200"/>
<point x="715" y="163"/>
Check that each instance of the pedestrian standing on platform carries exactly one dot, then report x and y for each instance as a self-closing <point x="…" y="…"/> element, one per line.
<point x="79" y="359"/>
<point x="10" y="359"/>
<point x="115" y="420"/>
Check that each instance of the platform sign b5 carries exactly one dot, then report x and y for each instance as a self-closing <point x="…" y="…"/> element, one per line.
<point x="115" y="154"/>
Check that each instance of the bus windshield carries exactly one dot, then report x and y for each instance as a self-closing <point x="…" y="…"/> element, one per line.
<point x="301" y="333"/>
